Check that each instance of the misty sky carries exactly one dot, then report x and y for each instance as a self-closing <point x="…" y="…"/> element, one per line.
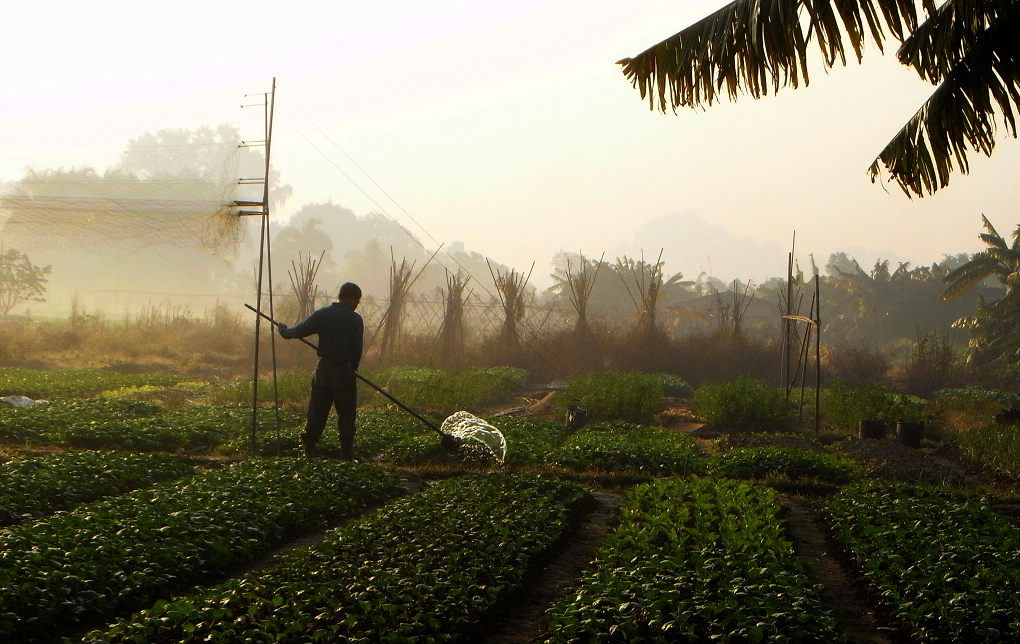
<point x="505" y="125"/>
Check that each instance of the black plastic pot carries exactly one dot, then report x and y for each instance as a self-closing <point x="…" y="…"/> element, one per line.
<point x="909" y="434"/>
<point x="871" y="429"/>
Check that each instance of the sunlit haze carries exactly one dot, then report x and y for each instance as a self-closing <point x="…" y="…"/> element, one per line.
<point x="503" y="125"/>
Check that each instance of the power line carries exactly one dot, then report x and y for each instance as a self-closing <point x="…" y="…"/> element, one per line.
<point x="379" y="187"/>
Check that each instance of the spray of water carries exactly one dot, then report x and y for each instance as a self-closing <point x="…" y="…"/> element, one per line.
<point x="466" y="426"/>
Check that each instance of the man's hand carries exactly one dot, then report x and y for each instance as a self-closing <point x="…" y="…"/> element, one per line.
<point x="281" y="327"/>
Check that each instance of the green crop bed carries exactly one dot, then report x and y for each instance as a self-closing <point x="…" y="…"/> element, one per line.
<point x="623" y="446"/>
<point x="695" y="560"/>
<point x="31" y="488"/>
<point x="942" y="562"/>
<point x="121" y="554"/>
<point x="424" y="568"/>
<point x="790" y="462"/>
<point x="74" y="383"/>
<point x="100" y="423"/>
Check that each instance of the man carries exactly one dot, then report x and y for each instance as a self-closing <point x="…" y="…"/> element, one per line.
<point x="341" y="336"/>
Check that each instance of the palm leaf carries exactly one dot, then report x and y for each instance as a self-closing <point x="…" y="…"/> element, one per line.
<point x="971" y="273"/>
<point x="968" y="47"/>
<point x="756" y="45"/>
<point x="979" y="79"/>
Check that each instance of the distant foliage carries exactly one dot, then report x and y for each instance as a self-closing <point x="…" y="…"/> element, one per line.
<point x="744" y="403"/>
<point x="615" y="395"/>
<point x="20" y="280"/>
<point x="856" y="364"/>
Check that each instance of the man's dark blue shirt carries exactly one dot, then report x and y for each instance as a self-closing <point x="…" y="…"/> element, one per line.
<point x="340" y="329"/>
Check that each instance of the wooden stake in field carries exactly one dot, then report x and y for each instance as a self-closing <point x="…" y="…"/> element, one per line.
<point x="511" y="290"/>
<point x="451" y="333"/>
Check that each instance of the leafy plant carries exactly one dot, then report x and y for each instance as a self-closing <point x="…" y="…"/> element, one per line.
<point x="615" y="395"/>
<point x="997" y="445"/>
<point x="444" y="390"/>
<point x="529" y="440"/>
<point x="291" y="387"/>
<point x="674" y="386"/>
<point x="74" y="383"/>
<point x="971" y="406"/>
<point x="122" y="553"/>
<point x="744" y="403"/>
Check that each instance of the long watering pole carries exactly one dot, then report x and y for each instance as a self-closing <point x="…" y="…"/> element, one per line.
<point x="360" y="377"/>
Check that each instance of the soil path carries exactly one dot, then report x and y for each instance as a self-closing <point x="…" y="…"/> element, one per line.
<point x="524" y="618"/>
<point x="839" y="592"/>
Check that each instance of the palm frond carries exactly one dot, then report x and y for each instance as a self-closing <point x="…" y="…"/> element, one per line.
<point x="971" y="273"/>
<point x="960" y="115"/>
<point x="949" y="34"/>
<point x="756" y="45"/>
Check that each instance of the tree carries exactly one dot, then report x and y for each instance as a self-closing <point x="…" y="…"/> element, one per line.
<point x="995" y="326"/>
<point x="967" y="48"/>
<point x="20" y="280"/>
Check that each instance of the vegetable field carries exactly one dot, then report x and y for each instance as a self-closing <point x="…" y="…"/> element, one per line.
<point x="127" y="515"/>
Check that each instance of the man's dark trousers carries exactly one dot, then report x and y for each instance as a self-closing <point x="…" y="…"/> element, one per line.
<point x="333" y="385"/>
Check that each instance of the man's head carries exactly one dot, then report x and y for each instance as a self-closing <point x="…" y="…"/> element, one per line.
<point x="350" y="294"/>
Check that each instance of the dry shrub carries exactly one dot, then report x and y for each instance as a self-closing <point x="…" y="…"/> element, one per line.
<point x="855" y="363"/>
<point x="722" y="356"/>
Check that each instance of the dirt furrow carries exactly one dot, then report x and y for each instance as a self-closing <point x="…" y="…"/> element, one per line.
<point x="839" y="592"/>
<point x="524" y="618"/>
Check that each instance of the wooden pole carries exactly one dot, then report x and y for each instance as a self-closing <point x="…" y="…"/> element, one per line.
<point x="271" y="103"/>
<point x="818" y="353"/>
<point x="263" y="259"/>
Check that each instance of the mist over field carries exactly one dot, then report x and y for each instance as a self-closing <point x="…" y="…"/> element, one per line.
<point x="158" y="238"/>
<point x="158" y="229"/>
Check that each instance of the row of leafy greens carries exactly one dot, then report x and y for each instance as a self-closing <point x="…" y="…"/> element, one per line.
<point x="117" y="555"/>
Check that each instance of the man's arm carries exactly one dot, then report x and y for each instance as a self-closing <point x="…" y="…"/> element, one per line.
<point x="302" y="330"/>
